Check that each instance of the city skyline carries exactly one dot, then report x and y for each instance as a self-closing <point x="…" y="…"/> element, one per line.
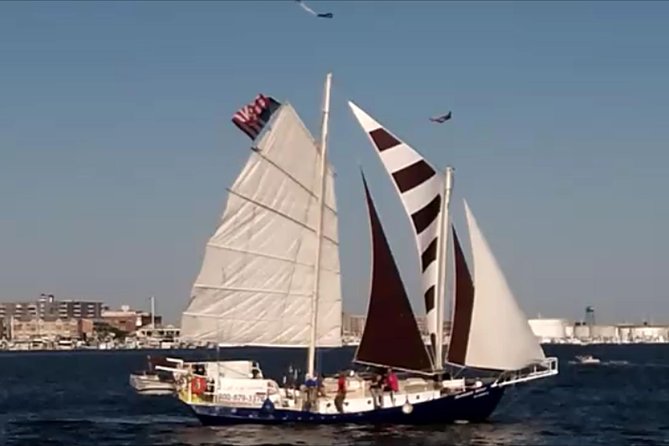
<point x="587" y="315"/>
<point x="116" y="145"/>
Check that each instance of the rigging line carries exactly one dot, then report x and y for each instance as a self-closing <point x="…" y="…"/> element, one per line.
<point x="293" y="293"/>
<point x="279" y="213"/>
<point x="461" y="368"/>
<point x="268" y="256"/>
<point x="311" y="193"/>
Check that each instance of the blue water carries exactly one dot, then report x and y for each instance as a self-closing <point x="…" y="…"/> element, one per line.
<point x="83" y="398"/>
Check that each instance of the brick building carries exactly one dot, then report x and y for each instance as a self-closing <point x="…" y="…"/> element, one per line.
<point x="128" y="320"/>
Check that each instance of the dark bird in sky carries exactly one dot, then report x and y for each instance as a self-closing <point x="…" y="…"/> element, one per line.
<point x="441" y="119"/>
<point x="320" y="15"/>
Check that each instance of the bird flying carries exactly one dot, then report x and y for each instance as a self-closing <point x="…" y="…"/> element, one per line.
<point x="441" y="119"/>
<point x="324" y="15"/>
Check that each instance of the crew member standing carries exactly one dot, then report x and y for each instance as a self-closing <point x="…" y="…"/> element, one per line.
<point x="392" y="384"/>
<point x="311" y="384"/>
<point x="341" y="392"/>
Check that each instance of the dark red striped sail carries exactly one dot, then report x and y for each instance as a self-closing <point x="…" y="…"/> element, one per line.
<point x="420" y="191"/>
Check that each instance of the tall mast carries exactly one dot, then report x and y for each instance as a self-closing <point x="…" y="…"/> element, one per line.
<point x="311" y="359"/>
<point x="442" y="258"/>
<point x="153" y="312"/>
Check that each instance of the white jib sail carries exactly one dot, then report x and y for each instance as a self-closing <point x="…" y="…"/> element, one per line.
<point x="257" y="276"/>
<point x="500" y="337"/>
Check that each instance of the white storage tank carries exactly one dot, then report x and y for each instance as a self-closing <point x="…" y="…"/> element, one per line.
<point x="625" y="332"/>
<point x="604" y="332"/>
<point x="649" y="333"/>
<point x="549" y="329"/>
<point x="569" y="331"/>
<point x="582" y="332"/>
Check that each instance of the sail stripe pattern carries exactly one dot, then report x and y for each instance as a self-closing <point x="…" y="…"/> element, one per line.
<point x="420" y="188"/>
<point x="383" y="140"/>
<point x="425" y="216"/>
<point x="429" y="255"/>
<point x="413" y="176"/>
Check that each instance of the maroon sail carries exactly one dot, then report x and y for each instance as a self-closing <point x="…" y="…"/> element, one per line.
<point x="391" y="337"/>
<point x="464" y="304"/>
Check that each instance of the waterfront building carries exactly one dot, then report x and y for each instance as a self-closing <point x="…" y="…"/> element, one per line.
<point x="49" y="329"/>
<point x="48" y="307"/>
<point x="128" y="320"/>
<point x="644" y="333"/>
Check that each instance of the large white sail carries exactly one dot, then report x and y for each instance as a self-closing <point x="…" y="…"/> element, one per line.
<point x="500" y="337"/>
<point x="257" y="276"/>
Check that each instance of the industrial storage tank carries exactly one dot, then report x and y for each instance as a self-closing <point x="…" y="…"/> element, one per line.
<point x="625" y="332"/>
<point x="581" y="331"/>
<point x="549" y="330"/>
<point x="649" y="333"/>
<point x="569" y="331"/>
<point x="605" y="332"/>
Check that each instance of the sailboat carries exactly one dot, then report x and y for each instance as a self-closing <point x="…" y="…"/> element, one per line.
<point x="489" y="331"/>
<point x="270" y="277"/>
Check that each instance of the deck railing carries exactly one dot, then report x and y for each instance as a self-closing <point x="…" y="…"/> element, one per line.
<point x="544" y="369"/>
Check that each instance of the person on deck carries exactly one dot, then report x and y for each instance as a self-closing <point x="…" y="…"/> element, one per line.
<point x="289" y="380"/>
<point x="321" y="385"/>
<point x="341" y="392"/>
<point x="392" y="384"/>
<point x="376" y="389"/>
<point x="311" y="384"/>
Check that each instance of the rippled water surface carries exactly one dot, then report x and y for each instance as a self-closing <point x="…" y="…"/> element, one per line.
<point x="83" y="398"/>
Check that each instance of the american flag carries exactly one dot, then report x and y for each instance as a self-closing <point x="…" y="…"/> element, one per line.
<point x="252" y="118"/>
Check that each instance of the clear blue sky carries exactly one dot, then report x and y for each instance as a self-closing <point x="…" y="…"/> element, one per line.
<point x="116" y="145"/>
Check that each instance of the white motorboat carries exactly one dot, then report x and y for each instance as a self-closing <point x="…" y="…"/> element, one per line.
<point x="587" y="359"/>
<point x="148" y="383"/>
<point x="153" y="381"/>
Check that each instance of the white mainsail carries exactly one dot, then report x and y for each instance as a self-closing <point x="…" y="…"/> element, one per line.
<point x="500" y="337"/>
<point x="257" y="276"/>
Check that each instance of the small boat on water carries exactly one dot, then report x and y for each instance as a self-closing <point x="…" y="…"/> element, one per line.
<point x="153" y="381"/>
<point x="271" y="277"/>
<point x="587" y="359"/>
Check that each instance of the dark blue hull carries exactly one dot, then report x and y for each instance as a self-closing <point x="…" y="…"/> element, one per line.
<point x="473" y="406"/>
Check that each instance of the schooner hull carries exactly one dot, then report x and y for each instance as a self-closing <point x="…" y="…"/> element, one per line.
<point x="472" y="406"/>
